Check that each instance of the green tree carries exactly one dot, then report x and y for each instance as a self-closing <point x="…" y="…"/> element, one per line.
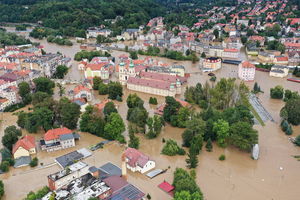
<point x="155" y="125"/>
<point x="45" y="117"/>
<point x="133" y="55"/>
<point x="203" y="55"/>
<point x="34" y="162"/>
<point x="39" y="97"/>
<point x="292" y="110"/>
<point x="96" y="82"/>
<point x="68" y="113"/>
<point x="115" y="89"/>
<point x="61" y="89"/>
<point x="153" y="101"/>
<point x="243" y="136"/>
<point x="114" y="127"/>
<point x="277" y="92"/>
<point x="183" y="117"/>
<point x="11" y="134"/>
<point x="195" y="126"/>
<point x="133" y="101"/>
<point x="184" y="182"/>
<point x="60" y="72"/>
<point x="24" y="92"/>
<point x="1" y="189"/>
<point x="138" y="116"/>
<point x="43" y="84"/>
<point x="209" y="145"/>
<point x="134" y="141"/>
<point x="221" y="128"/>
<point x="216" y="33"/>
<point x="4" y="166"/>
<point x="171" y="108"/>
<point x="192" y="160"/>
<point x="109" y="108"/>
<point x="297" y="140"/>
<point x="171" y="148"/>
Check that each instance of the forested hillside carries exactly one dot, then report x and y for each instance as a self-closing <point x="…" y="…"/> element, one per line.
<point x="74" y="16"/>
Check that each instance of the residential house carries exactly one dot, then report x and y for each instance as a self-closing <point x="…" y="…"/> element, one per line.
<point x="281" y="60"/>
<point x="290" y="47"/>
<point x="294" y="57"/>
<point x="102" y="70"/>
<point x="4" y="103"/>
<point x="93" y="32"/>
<point x="230" y="53"/>
<point x="265" y="57"/>
<point x="59" y="138"/>
<point x="211" y="64"/>
<point x="246" y="71"/>
<point x="64" y="177"/>
<point x="82" y="91"/>
<point x="24" y="147"/>
<point x="279" y="71"/>
<point x="252" y="50"/>
<point x="257" y="39"/>
<point x="130" y="34"/>
<point x="137" y="161"/>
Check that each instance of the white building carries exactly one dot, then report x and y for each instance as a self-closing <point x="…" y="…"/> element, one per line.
<point x="246" y="71"/>
<point x="279" y="71"/>
<point x="81" y="91"/>
<point x="64" y="177"/>
<point x="137" y="161"/>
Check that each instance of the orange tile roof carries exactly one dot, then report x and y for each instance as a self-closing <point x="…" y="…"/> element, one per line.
<point x="79" y="88"/>
<point x="27" y="142"/>
<point x="231" y="50"/>
<point x="55" y="133"/>
<point x="96" y="67"/>
<point x="282" y="58"/>
<point x="101" y="105"/>
<point x="247" y="64"/>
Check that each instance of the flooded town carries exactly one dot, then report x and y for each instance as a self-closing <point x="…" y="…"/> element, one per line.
<point x="123" y="116"/>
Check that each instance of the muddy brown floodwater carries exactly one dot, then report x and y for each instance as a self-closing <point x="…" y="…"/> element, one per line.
<point x="275" y="176"/>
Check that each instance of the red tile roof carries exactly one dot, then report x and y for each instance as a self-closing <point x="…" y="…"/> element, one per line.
<point x="55" y="133"/>
<point x="158" y="76"/>
<point x="101" y="105"/>
<point x="79" y="88"/>
<point x="247" y="64"/>
<point x="256" y="38"/>
<point x="135" y="157"/>
<point x="281" y="58"/>
<point x="96" y="67"/>
<point x="27" y="142"/>
<point x="230" y="50"/>
<point x="149" y="83"/>
<point x="167" y="187"/>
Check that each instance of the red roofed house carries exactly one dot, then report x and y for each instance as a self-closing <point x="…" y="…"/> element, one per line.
<point x="24" y="147"/>
<point x="160" y="109"/>
<point x="137" y="161"/>
<point x="59" y="138"/>
<point x="246" y="71"/>
<point x="80" y="91"/>
<point x="290" y="46"/>
<point x="102" y="70"/>
<point x="293" y="20"/>
<point x="230" y="53"/>
<point x="281" y="60"/>
<point x="257" y="38"/>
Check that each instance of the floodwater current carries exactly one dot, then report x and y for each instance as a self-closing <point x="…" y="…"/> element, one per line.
<point x="275" y="176"/>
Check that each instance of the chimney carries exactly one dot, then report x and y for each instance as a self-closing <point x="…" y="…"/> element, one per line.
<point x="124" y="168"/>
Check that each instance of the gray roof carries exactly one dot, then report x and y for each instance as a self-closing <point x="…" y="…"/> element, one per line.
<point x="66" y="136"/>
<point x="22" y="161"/>
<point x="110" y="169"/>
<point x="93" y="169"/>
<point x="69" y="159"/>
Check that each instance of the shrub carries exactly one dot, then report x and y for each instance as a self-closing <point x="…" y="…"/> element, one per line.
<point x="171" y="148"/>
<point x="153" y="101"/>
<point x="297" y="140"/>
<point x="222" y="157"/>
<point x="34" y="162"/>
<point x="4" y="166"/>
